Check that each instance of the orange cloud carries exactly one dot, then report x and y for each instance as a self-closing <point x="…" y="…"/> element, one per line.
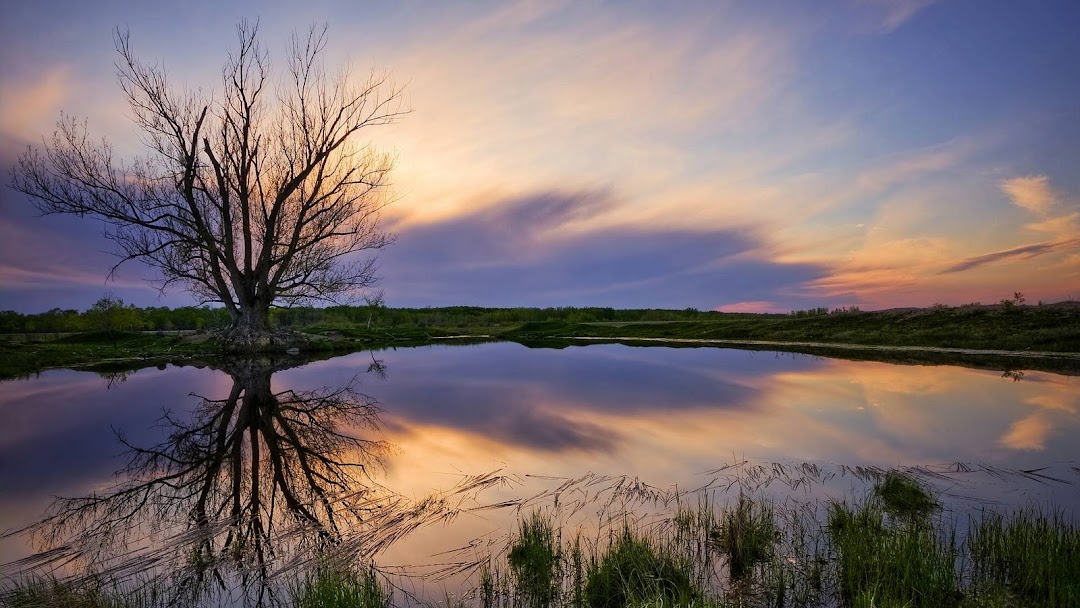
<point x="28" y="109"/>
<point x="1031" y="192"/>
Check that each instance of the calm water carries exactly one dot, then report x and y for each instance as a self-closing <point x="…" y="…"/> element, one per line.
<point x="432" y="417"/>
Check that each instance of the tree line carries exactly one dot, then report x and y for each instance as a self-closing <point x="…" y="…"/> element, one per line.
<point x="112" y="313"/>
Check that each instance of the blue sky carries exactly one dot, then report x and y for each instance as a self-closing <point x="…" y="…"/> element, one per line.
<point x="731" y="155"/>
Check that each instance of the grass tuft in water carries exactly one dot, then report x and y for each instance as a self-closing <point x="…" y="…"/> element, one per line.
<point x="1028" y="558"/>
<point x="637" y="570"/>
<point x="890" y="563"/>
<point x="748" y="535"/>
<point x="338" y="586"/>
<point x="39" y="592"/>
<point x="902" y="496"/>
<point x="536" y="562"/>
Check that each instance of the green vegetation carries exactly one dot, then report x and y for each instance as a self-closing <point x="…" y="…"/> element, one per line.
<point x="890" y="562"/>
<point x="535" y="561"/>
<point x="890" y="548"/>
<point x="1028" y="556"/>
<point x="109" y="351"/>
<point x="753" y="553"/>
<point x="638" y="570"/>
<point x="40" y="592"/>
<point x="340" y="586"/>
<point x="116" y="332"/>
<point x="748" y="536"/>
<point x="903" y="496"/>
<point x="1050" y="328"/>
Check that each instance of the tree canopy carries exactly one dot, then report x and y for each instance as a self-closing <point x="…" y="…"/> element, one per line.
<point x="257" y="195"/>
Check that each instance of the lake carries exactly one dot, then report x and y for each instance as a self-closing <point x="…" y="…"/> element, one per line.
<point x="422" y="458"/>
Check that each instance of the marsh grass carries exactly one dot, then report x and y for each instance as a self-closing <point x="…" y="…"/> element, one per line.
<point x="1028" y="557"/>
<point x="636" y="569"/>
<point x="903" y="496"/>
<point x="536" y="561"/>
<point x="893" y="545"/>
<point x="340" y="586"/>
<point x="748" y="536"/>
<point x="883" y="561"/>
<point x="47" y="591"/>
<point x="872" y="551"/>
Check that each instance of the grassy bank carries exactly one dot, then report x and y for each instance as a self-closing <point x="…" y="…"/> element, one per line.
<point x="1052" y="328"/>
<point x="118" y="351"/>
<point x="1049" y="328"/>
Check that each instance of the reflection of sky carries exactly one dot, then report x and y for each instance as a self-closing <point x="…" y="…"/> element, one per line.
<point x="664" y="415"/>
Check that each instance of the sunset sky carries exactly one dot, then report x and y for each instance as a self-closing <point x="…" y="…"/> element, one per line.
<point x="758" y="156"/>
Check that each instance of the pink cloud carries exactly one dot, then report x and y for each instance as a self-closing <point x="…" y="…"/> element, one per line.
<point x="757" y="307"/>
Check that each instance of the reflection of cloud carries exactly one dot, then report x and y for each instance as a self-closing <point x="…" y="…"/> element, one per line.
<point x="529" y="251"/>
<point x="553" y="400"/>
<point x="1061" y="401"/>
<point x="1028" y="433"/>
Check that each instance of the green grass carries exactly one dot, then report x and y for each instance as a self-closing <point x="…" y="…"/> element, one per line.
<point x="903" y="496"/>
<point x="637" y="570"/>
<point x="883" y="562"/>
<point x="1053" y="328"/>
<point x="49" y="592"/>
<point x="119" y="351"/>
<point x="1050" y="328"/>
<point x="748" y="536"/>
<point x="1031" y="558"/>
<point x="535" y="561"/>
<point x="110" y="349"/>
<point x="857" y="554"/>
<point x="339" y="586"/>
<point x="893" y="546"/>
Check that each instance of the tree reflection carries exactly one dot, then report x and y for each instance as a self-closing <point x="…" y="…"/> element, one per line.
<point x="238" y="483"/>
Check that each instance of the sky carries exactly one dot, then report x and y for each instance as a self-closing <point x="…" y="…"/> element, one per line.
<point x="738" y="156"/>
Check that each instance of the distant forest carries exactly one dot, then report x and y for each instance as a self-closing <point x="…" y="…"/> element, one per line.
<point x="113" y="314"/>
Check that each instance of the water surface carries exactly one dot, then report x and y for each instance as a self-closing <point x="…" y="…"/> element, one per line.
<point x="665" y="417"/>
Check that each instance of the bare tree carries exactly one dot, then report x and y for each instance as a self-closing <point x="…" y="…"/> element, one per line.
<point x="258" y="196"/>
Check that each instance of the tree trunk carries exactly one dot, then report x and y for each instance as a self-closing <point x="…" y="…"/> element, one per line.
<point x="250" y="332"/>
<point x="252" y="320"/>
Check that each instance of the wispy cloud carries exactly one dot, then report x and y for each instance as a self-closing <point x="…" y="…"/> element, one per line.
<point x="29" y="107"/>
<point x="1022" y="252"/>
<point x="894" y="13"/>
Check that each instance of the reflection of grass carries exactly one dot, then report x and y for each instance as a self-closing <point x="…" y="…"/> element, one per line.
<point x="339" y="587"/>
